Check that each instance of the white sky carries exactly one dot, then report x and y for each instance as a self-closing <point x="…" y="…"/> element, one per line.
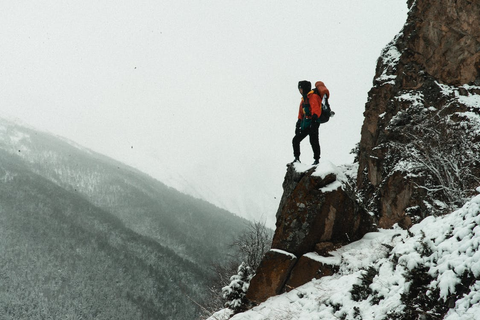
<point x="196" y="93"/>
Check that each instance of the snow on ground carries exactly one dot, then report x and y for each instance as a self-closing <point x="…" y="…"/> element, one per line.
<point x="344" y="174"/>
<point x="446" y="247"/>
<point x="325" y="168"/>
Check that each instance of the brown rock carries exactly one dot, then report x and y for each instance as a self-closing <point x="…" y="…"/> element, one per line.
<point x="396" y="197"/>
<point x="271" y="276"/>
<point x="446" y="39"/>
<point x="310" y="216"/>
<point x="439" y="44"/>
<point x="307" y="218"/>
<point x="306" y="270"/>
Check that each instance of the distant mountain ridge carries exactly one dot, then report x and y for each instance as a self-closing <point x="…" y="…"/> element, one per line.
<point x="84" y="235"/>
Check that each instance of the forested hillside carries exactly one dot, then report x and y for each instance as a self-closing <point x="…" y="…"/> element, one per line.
<point x="84" y="236"/>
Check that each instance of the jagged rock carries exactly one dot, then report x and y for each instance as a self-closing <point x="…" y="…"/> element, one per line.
<point x="316" y="208"/>
<point x="271" y="276"/>
<point x="317" y="212"/>
<point x="307" y="269"/>
<point x="419" y="88"/>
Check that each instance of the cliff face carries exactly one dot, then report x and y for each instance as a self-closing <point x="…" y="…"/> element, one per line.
<point x="417" y="150"/>
<point x="441" y="38"/>
<point x="418" y="155"/>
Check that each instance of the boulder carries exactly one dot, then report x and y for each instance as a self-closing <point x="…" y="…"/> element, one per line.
<point x="307" y="269"/>
<point x="271" y="276"/>
<point x="318" y="208"/>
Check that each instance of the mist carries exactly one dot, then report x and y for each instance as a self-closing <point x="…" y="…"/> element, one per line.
<point x="200" y="95"/>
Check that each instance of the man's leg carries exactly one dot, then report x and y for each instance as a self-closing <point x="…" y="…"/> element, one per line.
<point x="296" y="142"/>
<point x="314" y="140"/>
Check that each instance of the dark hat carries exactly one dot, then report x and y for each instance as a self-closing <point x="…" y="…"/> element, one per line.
<point x="305" y="85"/>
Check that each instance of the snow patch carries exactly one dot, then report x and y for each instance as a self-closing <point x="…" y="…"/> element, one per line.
<point x="390" y="56"/>
<point x="469" y="98"/>
<point x="223" y="314"/>
<point x="323" y="169"/>
<point x="359" y="253"/>
<point x="291" y="255"/>
<point x="414" y="97"/>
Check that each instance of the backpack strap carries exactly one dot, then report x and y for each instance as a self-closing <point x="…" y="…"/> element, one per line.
<point x="306" y="106"/>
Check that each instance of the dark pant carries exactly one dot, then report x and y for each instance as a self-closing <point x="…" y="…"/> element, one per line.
<point x="312" y="131"/>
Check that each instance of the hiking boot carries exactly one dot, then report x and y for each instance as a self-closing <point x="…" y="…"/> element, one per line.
<point x="316" y="162"/>
<point x="296" y="160"/>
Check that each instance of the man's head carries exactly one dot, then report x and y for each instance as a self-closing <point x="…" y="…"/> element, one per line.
<point x="304" y="86"/>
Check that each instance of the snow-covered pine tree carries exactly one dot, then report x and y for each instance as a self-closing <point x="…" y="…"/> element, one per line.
<point x="235" y="292"/>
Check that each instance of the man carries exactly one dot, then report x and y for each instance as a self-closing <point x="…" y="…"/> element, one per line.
<point x="308" y="115"/>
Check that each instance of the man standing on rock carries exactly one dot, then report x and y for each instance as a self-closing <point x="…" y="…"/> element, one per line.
<point x="308" y="116"/>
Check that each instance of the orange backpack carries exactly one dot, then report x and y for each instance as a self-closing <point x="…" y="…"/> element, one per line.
<point x="324" y="94"/>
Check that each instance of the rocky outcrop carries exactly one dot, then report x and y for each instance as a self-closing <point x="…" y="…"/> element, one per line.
<point x="421" y="107"/>
<point x="419" y="152"/>
<point x="318" y="212"/>
<point x="317" y="208"/>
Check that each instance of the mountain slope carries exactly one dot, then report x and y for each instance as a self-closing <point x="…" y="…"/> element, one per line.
<point x="85" y="236"/>
<point x="145" y="205"/>
<point x="431" y="272"/>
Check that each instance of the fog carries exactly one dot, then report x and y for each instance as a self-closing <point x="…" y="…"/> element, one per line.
<point x="199" y="94"/>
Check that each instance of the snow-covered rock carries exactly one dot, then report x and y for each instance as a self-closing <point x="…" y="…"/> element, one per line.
<point x="432" y="270"/>
<point x="319" y="212"/>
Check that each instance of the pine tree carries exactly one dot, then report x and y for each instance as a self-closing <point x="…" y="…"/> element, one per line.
<point x="235" y="292"/>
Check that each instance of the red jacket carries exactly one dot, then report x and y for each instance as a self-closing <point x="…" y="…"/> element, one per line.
<point x="315" y="106"/>
<point x="315" y="101"/>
